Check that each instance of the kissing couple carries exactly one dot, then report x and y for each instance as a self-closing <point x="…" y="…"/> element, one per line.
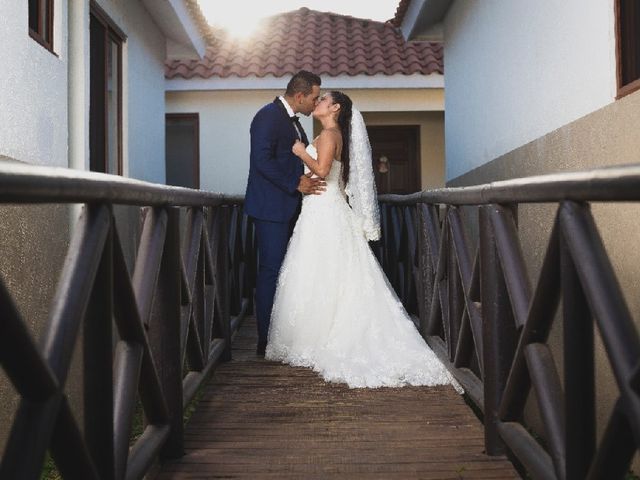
<point x="322" y="300"/>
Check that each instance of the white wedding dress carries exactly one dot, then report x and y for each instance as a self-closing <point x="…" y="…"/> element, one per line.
<point x="334" y="310"/>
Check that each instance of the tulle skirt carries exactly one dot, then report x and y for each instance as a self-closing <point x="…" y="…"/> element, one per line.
<point x="335" y="312"/>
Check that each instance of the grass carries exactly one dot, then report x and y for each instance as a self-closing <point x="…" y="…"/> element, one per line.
<point x="191" y="408"/>
<point x="50" y="472"/>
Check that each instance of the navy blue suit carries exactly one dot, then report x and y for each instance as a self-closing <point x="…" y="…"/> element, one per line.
<point x="272" y="199"/>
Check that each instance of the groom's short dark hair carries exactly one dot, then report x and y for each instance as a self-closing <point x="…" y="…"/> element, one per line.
<point x="302" y="82"/>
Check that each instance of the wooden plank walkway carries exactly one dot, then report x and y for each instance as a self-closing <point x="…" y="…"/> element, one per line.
<point x="264" y="420"/>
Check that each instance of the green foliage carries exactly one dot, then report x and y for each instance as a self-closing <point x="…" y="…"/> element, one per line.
<point x="189" y="409"/>
<point x="137" y="425"/>
<point x="49" y="470"/>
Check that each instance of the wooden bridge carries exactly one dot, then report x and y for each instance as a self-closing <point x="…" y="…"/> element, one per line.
<point x="259" y="419"/>
<point x="155" y="332"/>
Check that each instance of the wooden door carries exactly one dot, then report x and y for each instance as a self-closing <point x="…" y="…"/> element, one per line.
<point x="396" y="161"/>
<point x="183" y="149"/>
<point x="105" y="104"/>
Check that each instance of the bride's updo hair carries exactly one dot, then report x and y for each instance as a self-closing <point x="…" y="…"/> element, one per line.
<point x="344" y="121"/>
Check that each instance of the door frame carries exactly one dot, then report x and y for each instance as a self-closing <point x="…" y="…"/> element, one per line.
<point x="415" y="129"/>
<point x="112" y="32"/>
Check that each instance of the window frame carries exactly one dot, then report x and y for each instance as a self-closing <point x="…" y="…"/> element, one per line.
<point x="622" y="88"/>
<point x="115" y="34"/>
<point x="46" y="41"/>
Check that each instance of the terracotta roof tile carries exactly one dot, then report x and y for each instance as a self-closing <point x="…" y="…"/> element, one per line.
<point x="401" y="11"/>
<point x="196" y="13"/>
<point x="325" y="43"/>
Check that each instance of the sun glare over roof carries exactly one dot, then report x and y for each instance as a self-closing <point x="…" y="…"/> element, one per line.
<point x="241" y="17"/>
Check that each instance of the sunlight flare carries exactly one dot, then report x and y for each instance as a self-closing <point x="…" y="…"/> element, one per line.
<point x="237" y="18"/>
<point x="241" y="17"/>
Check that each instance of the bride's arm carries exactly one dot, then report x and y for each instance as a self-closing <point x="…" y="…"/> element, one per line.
<point x="326" y="145"/>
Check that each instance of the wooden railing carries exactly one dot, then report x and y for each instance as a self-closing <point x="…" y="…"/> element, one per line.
<point x="174" y="317"/>
<point x="194" y="272"/>
<point x="476" y="308"/>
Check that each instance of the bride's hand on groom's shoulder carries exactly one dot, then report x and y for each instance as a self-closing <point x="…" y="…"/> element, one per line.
<point x="311" y="186"/>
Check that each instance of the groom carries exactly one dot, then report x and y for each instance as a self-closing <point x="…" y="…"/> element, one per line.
<point x="276" y="182"/>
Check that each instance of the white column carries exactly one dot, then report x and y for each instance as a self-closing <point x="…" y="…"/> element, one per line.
<point x="79" y="84"/>
<point x="78" y="97"/>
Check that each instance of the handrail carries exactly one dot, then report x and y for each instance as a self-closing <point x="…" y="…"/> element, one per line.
<point x="611" y="184"/>
<point x="173" y="316"/>
<point x="474" y="305"/>
<point x="23" y="183"/>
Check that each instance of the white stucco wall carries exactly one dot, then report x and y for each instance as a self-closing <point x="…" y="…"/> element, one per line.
<point x="517" y="70"/>
<point x="224" y="133"/>
<point x="33" y="97"/>
<point x="143" y="121"/>
<point x="44" y="102"/>
<point x="225" y="117"/>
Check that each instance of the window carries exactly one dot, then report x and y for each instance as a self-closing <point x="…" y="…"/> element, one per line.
<point x="182" y="141"/>
<point x="105" y="108"/>
<point x="628" y="46"/>
<point x="41" y="22"/>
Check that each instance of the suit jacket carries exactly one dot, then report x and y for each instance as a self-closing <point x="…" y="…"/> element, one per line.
<point x="274" y="170"/>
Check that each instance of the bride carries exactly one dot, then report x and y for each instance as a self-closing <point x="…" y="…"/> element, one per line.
<point x="334" y="310"/>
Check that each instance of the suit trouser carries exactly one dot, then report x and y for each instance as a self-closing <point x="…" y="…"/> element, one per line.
<point x="272" y="239"/>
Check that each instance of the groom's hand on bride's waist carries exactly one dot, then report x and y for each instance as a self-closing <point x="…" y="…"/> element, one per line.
<point x="311" y="186"/>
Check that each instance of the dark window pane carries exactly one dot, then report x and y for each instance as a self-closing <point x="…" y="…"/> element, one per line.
<point x="113" y="107"/>
<point x="182" y="151"/>
<point x="34" y="15"/>
<point x="630" y="40"/>
<point x="47" y="35"/>
<point x="97" y="106"/>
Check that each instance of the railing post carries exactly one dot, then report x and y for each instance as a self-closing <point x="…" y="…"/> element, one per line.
<point x="250" y="263"/>
<point x="222" y="278"/>
<point x="424" y="270"/>
<point x="579" y="371"/>
<point x="411" y="219"/>
<point x="428" y="246"/>
<point x="499" y="333"/>
<point x="455" y="288"/>
<point x="164" y="335"/>
<point x="235" y="251"/>
<point x="98" y="366"/>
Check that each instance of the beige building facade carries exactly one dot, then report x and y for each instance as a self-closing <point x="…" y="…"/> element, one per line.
<point x="224" y="117"/>
<point x="397" y="85"/>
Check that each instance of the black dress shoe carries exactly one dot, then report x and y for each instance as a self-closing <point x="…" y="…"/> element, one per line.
<point x="262" y="346"/>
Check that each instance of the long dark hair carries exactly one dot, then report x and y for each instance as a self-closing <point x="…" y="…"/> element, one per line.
<point x="344" y="122"/>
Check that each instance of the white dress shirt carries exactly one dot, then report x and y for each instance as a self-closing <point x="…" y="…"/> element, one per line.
<point x="291" y="114"/>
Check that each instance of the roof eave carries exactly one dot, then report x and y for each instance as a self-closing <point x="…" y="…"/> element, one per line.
<point x="338" y="82"/>
<point x="178" y="24"/>
<point x="423" y="19"/>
